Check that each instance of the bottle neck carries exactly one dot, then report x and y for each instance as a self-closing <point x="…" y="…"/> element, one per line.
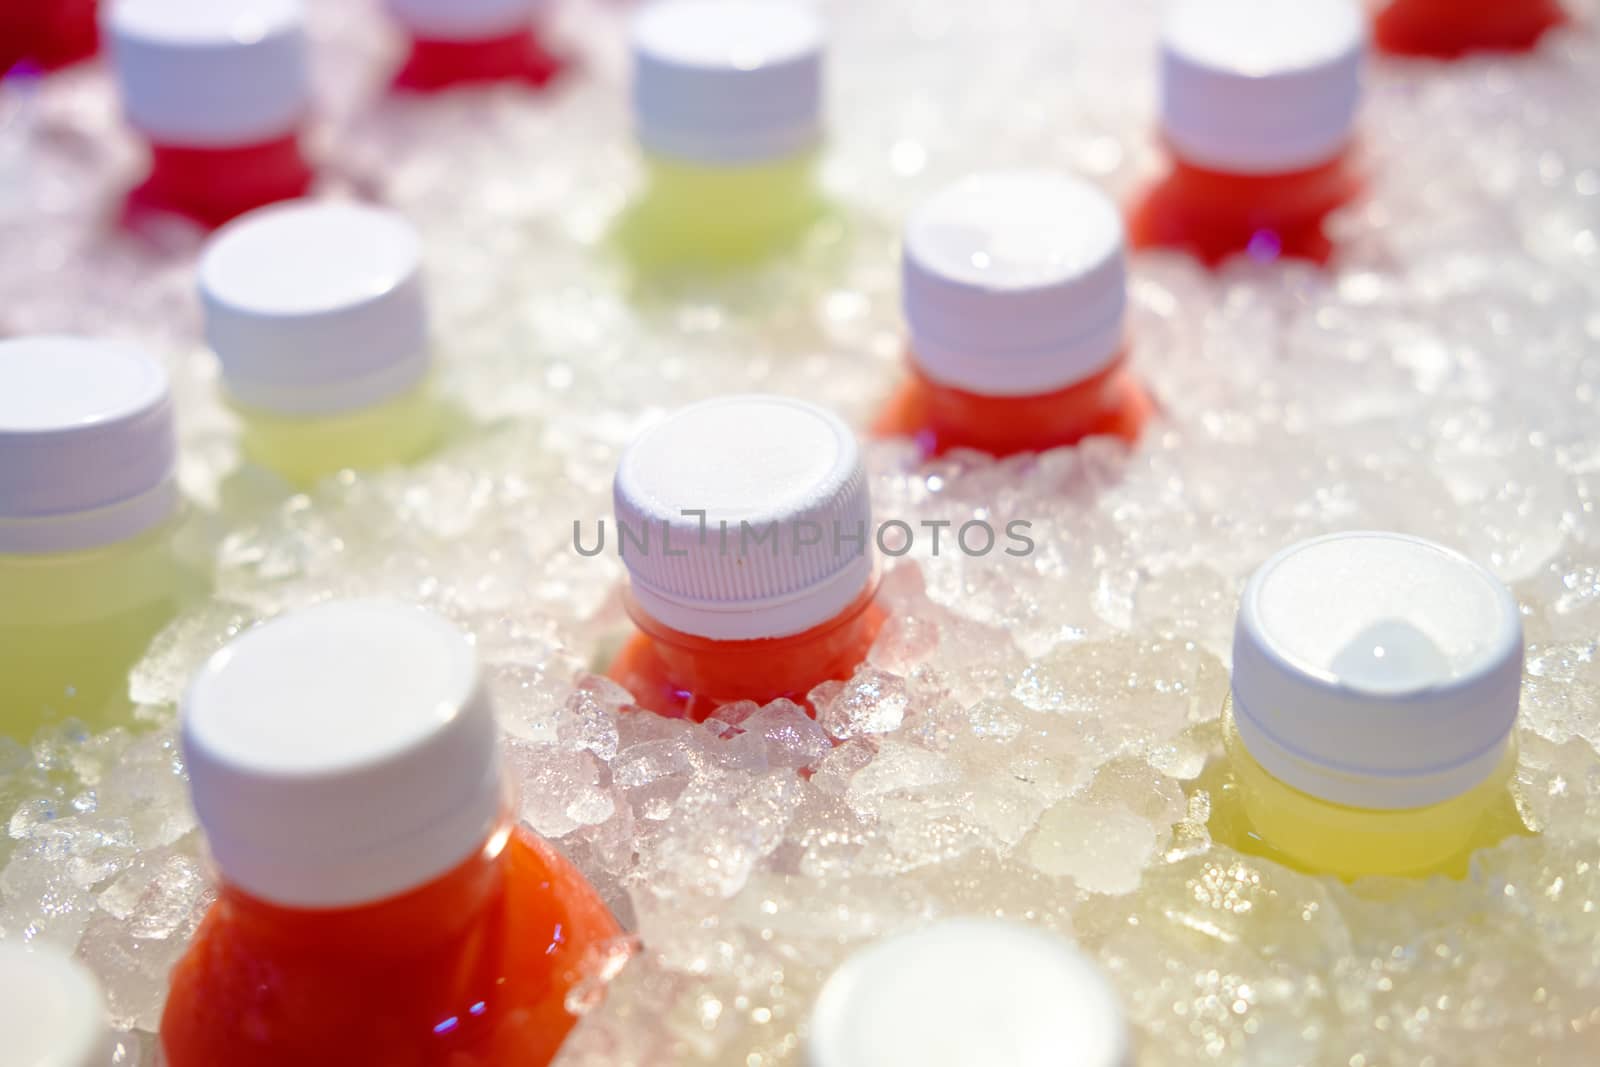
<point x="765" y="669"/>
<point x="1108" y="401"/>
<point x="518" y="55"/>
<point x="405" y="925"/>
<point x="1304" y="194"/>
<point x="213" y="185"/>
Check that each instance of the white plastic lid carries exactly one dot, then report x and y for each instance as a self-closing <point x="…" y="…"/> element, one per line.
<point x="316" y="307"/>
<point x="964" y="992"/>
<point x="1014" y="283"/>
<point x="1261" y="86"/>
<point x="1376" y="670"/>
<point x="51" y="1010"/>
<point x="342" y="754"/>
<point x="725" y="81"/>
<point x="210" y="73"/>
<point x="788" y="469"/>
<point x="87" y="448"/>
<point x="464" y="20"/>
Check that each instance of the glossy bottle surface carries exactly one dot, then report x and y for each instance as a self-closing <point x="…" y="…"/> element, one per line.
<point x="1447" y="29"/>
<point x="684" y="676"/>
<point x="73" y="624"/>
<point x="1256" y="813"/>
<point x="438" y="64"/>
<point x="710" y="216"/>
<point x="213" y="185"/>
<point x="305" y="450"/>
<point x="941" y="418"/>
<point x="1213" y="215"/>
<point x="472" y="970"/>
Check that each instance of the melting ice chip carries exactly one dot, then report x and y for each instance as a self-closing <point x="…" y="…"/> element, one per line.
<point x="1391" y="656"/>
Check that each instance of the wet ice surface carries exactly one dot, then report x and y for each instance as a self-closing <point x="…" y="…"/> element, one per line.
<point x="1027" y="738"/>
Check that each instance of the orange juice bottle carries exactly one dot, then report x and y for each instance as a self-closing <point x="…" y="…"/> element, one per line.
<point x="1376" y="679"/>
<point x="968" y="991"/>
<point x="1446" y="29"/>
<point x="1258" y="108"/>
<point x="378" y="903"/>
<point x="1015" y="295"/>
<point x="745" y="525"/>
<point x="220" y="91"/>
<point x="462" y="42"/>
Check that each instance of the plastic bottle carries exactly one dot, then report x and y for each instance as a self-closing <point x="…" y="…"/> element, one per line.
<point x="1448" y="29"/>
<point x="52" y="1011"/>
<point x="88" y="507"/>
<point x="1376" y="678"/>
<point x="461" y="42"/>
<point x="379" y="903"/>
<point x="220" y="90"/>
<point x="727" y="102"/>
<point x="968" y="991"/>
<point x="47" y="33"/>
<point x="770" y="591"/>
<point x="1015" y="292"/>
<point x="318" y="316"/>
<point x="1258" y="109"/>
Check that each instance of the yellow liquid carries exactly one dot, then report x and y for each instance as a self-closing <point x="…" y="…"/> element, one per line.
<point x="1256" y="813"/>
<point x="73" y="624"/>
<point x="706" y="217"/>
<point x="305" y="450"/>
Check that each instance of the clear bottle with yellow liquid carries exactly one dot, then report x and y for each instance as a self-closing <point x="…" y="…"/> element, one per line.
<point x="317" y="314"/>
<point x="727" y="100"/>
<point x="1376" y="680"/>
<point x="89" y="505"/>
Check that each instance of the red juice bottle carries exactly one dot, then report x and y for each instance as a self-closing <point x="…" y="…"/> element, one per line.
<point x="1447" y="29"/>
<point x="378" y="903"/>
<point x="47" y="33"/>
<point x="461" y="42"/>
<point x="1258" y="109"/>
<point x="1014" y="287"/>
<point x="220" y="90"/>
<point x="745" y="525"/>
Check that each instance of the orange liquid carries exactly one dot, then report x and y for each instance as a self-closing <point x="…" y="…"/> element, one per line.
<point x="683" y="676"/>
<point x="1212" y="215"/>
<point x="1446" y="29"/>
<point x="940" y="418"/>
<point x="471" y="970"/>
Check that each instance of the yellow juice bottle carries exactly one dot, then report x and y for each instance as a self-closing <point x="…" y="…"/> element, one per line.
<point x="88" y="504"/>
<point x="1375" y="689"/>
<point x="962" y="992"/>
<point x="317" y="314"/>
<point x="727" y="101"/>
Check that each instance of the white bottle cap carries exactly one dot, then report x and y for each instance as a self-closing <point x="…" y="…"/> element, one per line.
<point x="1261" y="86"/>
<point x="964" y="992"/>
<point x="1014" y="283"/>
<point x="87" y="449"/>
<point x="727" y="82"/>
<point x="343" y="754"/>
<point x="464" y="20"/>
<point x="1376" y="670"/>
<point x="51" y="1010"/>
<point x="211" y="73"/>
<point x="316" y="308"/>
<point x="791" y="472"/>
